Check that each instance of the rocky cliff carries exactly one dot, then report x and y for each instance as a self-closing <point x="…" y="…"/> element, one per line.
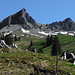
<point x="67" y="25"/>
<point x="21" y="18"/>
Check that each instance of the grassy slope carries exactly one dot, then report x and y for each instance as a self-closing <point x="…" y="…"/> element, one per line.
<point x="16" y="63"/>
<point x="67" y="43"/>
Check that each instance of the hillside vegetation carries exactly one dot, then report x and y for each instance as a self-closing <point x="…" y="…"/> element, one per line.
<point x="67" y="43"/>
<point x="32" y="53"/>
<point x="20" y="62"/>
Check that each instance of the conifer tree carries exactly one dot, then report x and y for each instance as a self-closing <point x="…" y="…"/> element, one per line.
<point x="48" y="41"/>
<point x="51" y="40"/>
<point x="56" y="48"/>
<point x="8" y="39"/>
<point x="15" y="38"/>
<point x="31" y="43"/>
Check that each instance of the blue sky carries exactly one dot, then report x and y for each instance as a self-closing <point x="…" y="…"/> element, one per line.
<point x="43" y="11"/>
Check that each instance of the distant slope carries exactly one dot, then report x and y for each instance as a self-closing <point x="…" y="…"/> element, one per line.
<point x="23" y="19"/>
<point x="67" y="43"/>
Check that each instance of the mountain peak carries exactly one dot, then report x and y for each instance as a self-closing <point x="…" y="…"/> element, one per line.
<point x="21" y="18"/>
<point x="23" y="10"/>
<point x="67" y="25"/>
<point x="68" y="20"/>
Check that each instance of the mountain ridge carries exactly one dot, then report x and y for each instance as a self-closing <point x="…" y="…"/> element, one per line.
<point x="23" y="19"/>
<point x="66" y="25"/>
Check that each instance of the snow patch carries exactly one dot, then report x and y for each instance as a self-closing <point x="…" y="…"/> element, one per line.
<point x="43" y="33"/>
<point x="73" y="55"/>
<point x="25" y="31"/>
<point x="34" y="34"/>
<point x="3" y="42"/>
<point x="71" y="34"/>
<point x="7" y="33"/>
<point x="61" y="32"/>
<point x="54" y="33"/>
<point x="74" y="62"/>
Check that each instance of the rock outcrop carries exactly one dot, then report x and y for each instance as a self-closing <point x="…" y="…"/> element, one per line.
<point x="67" y="25"/>
<point x="21" y="18"/>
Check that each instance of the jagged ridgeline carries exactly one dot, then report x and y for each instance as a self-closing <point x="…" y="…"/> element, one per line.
<point x="21" y="18"/>
<point x="67" y="25"/>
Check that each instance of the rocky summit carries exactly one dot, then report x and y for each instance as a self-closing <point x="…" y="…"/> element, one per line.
<point x="67" y="25"/>
<point x="24" y="20"/>
<point x="21" y="18"/>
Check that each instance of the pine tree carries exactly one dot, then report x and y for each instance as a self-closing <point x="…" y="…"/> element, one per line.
<point x="19" y="38"/>
<point x="48" y="41"/>
<point x="8" y="39"/>
<point x="56" y="48"/>
<point x="51" y="40"/>
<point x="31" y="43"/>
<point x="15" y="38"/>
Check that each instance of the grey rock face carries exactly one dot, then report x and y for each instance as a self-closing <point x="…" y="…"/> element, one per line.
<point x="22" y="18"/>
<point x="67" y="25"/>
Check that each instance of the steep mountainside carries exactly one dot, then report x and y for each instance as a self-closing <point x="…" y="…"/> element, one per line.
<point x="21" y="18"/>
<point x="67" y="25"/>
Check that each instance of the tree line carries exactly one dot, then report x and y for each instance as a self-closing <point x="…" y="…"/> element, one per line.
<point x="9" y="39"/>
<point x="56" y="46"/>
<point x="52" y="41"/>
